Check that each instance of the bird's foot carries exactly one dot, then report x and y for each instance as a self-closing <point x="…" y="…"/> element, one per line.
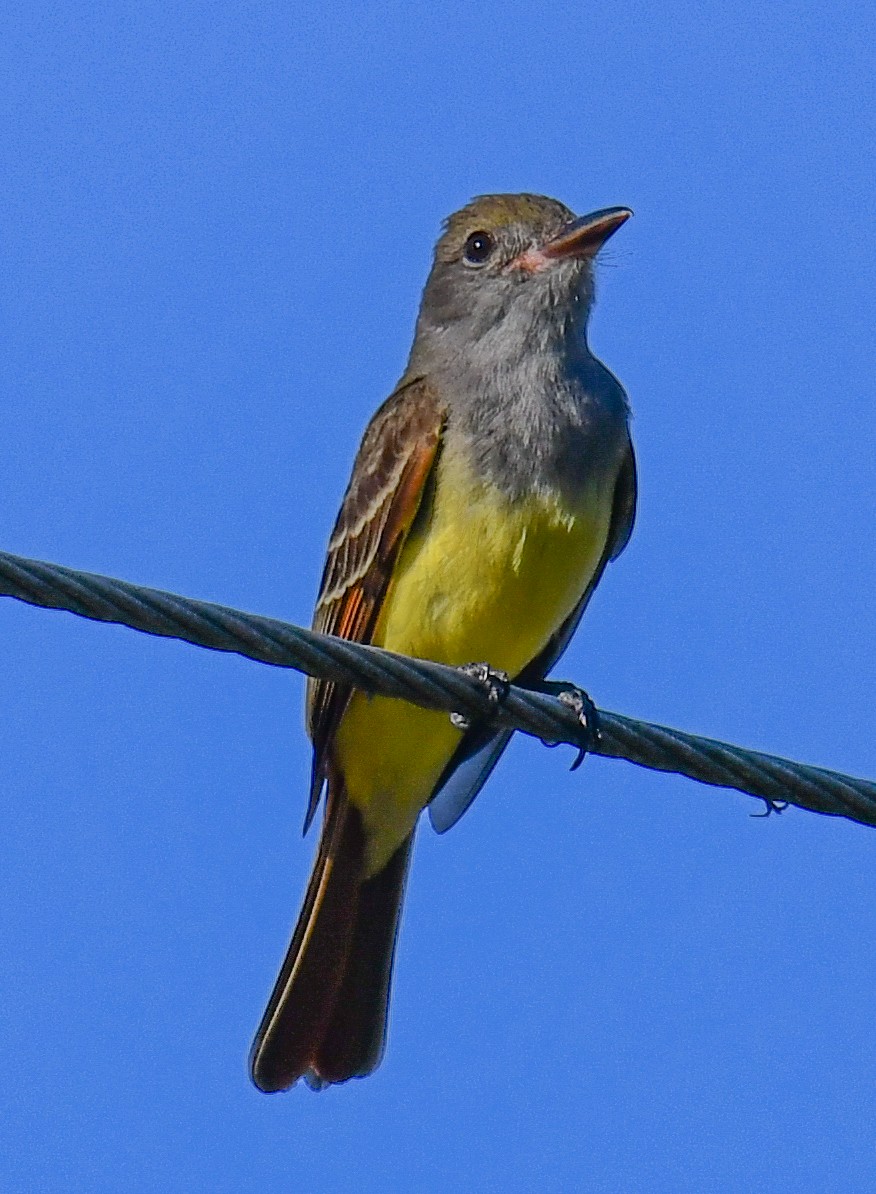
<point x="770" y="806"/>
<point x="494" y="682"/>
<point x="582" y="706"/>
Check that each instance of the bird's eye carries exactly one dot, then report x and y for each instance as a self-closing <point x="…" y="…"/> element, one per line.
<point x="478" y="248"/>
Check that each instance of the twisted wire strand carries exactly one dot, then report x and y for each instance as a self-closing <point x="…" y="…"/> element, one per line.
<point x="433" y="686"/>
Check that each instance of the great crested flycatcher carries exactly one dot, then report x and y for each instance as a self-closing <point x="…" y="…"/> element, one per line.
<point x="489" y="493"/>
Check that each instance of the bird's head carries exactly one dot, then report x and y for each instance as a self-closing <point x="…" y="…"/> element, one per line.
<point x="515" y="266"/>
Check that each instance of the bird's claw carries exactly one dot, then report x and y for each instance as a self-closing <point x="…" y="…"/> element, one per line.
<point x="770" y="807"/>
<point x="582" y="706"/>
<point x="494" y="682"/>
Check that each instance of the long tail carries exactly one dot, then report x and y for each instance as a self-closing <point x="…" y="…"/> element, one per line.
<point x="326" y="1018"/>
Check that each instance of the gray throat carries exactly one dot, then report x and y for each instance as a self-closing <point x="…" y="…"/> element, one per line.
<point x="536" y="412"/>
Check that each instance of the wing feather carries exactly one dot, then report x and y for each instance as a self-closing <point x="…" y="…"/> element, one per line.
<point x="394" y="462"/>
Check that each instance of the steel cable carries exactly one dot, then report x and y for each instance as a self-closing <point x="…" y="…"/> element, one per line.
<point x="434" y="686"/>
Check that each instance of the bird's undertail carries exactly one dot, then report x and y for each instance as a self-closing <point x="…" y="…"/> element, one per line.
<point x="326" y="1018"/>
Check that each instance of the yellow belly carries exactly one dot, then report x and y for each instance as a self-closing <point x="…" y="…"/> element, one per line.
<point x="481" y="579"/>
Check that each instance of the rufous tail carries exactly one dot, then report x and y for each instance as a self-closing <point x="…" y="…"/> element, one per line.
<point x="326" y="1018"/>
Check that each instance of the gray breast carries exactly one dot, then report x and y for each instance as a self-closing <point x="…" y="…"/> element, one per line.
<point x="545" y="421"/>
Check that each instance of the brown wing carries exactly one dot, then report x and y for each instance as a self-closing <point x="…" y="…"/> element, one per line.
<point x="389" y="476"/>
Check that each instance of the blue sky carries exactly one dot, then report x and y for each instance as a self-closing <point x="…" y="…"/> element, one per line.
<point x="217" y="221"/>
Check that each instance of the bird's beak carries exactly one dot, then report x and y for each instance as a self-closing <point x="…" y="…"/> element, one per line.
<point x="585" y="236"/>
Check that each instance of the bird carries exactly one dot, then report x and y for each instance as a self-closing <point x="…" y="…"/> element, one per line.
<point x="489" y="492"/>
